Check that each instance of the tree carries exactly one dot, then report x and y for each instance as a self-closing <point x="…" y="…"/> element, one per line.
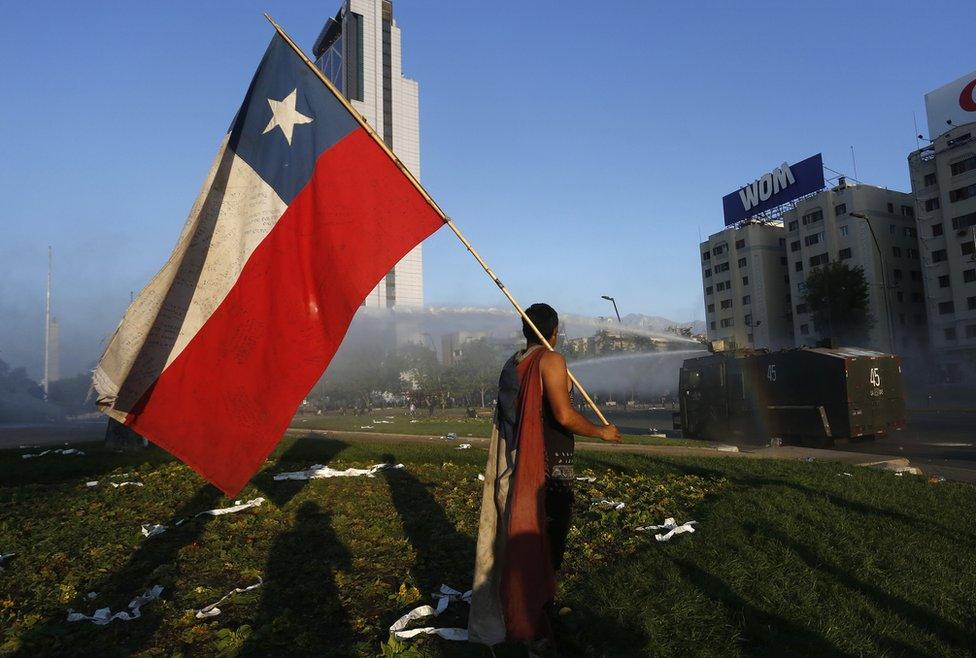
<point x="478" y="367"/>
<point x="837" y="296"/>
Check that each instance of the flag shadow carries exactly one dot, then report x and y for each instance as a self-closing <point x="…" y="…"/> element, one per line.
<point x="299" y="455"/>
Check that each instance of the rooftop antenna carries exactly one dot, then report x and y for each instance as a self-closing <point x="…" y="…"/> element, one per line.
<point x="854" y="161"/>
<point x="47" y="325"/>
<point x="918" y="144"/>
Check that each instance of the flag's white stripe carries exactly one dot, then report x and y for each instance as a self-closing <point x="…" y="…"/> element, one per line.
<point x="240" y="218"/>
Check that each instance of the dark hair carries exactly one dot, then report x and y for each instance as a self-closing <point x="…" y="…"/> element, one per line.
<point x="545" y="319"/>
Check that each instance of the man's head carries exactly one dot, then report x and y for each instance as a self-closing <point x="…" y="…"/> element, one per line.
<point x="546" y="320"/>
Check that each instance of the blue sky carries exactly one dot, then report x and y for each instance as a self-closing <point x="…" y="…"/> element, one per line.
<point x="583" y="147"/>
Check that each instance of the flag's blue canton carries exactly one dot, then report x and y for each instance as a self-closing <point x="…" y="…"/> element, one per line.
<point x="287" y="168"/>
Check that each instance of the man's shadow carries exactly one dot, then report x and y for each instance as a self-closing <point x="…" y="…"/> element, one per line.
<point x="300" y="611"/>
<point x="154" y="562"/>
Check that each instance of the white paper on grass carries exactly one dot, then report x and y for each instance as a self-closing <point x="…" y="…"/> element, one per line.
<point x="116" y="485"/>
<point x="212" y="610"/>
<point x="587" y="478"/>
<point x="56" y="451"/>
<point x="104" y="616"/>
<point x="151" y="530"/>
<point x="93" y="483"/>
<point x="463" y="446"/>
<point x="612" y="504"/>
<point x="444" y="597"/>
<point x="318" y="471"/>
<point x="672" y="527"/>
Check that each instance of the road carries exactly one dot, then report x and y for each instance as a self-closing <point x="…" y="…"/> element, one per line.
<point x="942" y="442"/>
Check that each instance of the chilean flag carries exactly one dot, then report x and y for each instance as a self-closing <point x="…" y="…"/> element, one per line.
<point x="303" y="212"/>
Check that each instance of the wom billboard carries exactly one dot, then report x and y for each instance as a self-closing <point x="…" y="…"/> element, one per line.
<point x="955" y="102"/>
<point x="783" y="184"/>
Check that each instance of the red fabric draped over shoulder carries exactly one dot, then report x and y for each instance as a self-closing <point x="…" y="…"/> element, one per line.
<point x="528" y="581"/>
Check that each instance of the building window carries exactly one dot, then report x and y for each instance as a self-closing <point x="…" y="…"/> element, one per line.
<point x="891" y="228"/>
<point x="742" y="262"/>
<point x="911" y="253"/>
<point x="932" y="204"/>
<point x="963" y="165"/>
<point x="782" y="242"/>
<point x="936" y="229"/>
<point x="971" y="331"/>
<point x="900" y="296"/>
<point x="726" y="303"/>
<point x="712" y="325"/>
<point x="917" y="297"/>
<point x="918" y="318"/>
<point x="969" y="275"/>
<point x="750" y="338"/>
<point x="891" y="209"/>
<point x="944" y="281"/>
<point x="795" y="245"/>
<point x="950" y="333"/>
<point x="706" y="255"/>
<point x="720" y="286"/>
<point x="745" y="280"/>
<point x="812" y="218"/>
<point x="728" y="322"/>
<point x="916" y="275"/>
<point x="813" y="239"/>
<point x="819" y="259"/>
<point x="739" y="244"/>
<point x="963" y="221"/>
<point x="840" y="209"/>
<point x="907" y="211"/>
<point x="798" y="266"/>
<point x="708" y="273"/>
<point x="844" y="230"/>
<point x="971" y="303"/>
<point x="792" y="226"/>
<point x="897" y="274"/>
<point x="896" y="251"/>
<point x="844" y="254"/>
<point x="804" y="330"/>
<point x="711" y="308"/>
<point x="967" y="248"/>
<point x="929" y="180"/>
<point x="909" y="232"/>
<point x="721" y="267"/>
<point x="782" y="260"/>
<point x="946" y="308"/>
<point x="801" y="308"/>
<point x="718" y="250"/>
<point x="747" y="299"/>
<point x="961" y="193"/>
<point x="938" y="255"/>
<point x="708" y="290"/>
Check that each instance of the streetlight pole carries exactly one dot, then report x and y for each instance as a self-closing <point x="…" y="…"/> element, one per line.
<point x="614" y="301"/>
<point x="884" y="279"/>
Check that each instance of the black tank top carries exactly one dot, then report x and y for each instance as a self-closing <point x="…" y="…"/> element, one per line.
<point x="560" y="445"/>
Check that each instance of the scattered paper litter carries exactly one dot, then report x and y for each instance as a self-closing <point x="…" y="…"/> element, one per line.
<point x="481" y="476"/>
<point x="318" y="471"/>
<point x="414" y="420"/>
<point x="365" y="427"/>
<point x="104" y="616"/>
<point x="672" y="527"/>
<point x="444" y="597"/>
<point x="93" y="483"/>
<point x="238" y="507"/>
<point x="901" y="470"/>
<point x="55" y="451"/>
<point x="116" y="485"/>
<point x="725" y="448"/>
<point x="612" y="504"/>
<point x="463" y="446"/>
<point x="153" y="529"/>
<point x="845" y="474"/>
<point x="585" y="478"/>
<point x="212" y="610"/>
<point x="382" y="422"/>
<point x="658" y="435"/>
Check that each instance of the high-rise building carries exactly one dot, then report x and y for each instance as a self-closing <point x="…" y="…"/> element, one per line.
<point x="746" y="286"/>
<point x="359" y="51"/>
<point x="944" y="183"/>
<point x="836" y="225"/>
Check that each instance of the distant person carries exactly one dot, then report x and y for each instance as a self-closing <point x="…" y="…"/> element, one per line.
<point x="526" y="507"/>
<point x="413" y="408"/>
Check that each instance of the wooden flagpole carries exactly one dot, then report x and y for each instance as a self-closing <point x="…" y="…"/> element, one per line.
<point x="447" y="220"/>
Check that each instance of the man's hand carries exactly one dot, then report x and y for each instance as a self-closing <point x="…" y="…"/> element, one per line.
<point x="610" y="433"/>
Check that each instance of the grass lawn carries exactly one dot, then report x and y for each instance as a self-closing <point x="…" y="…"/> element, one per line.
<point x="398" y="421"/>
<point x="790" y="557"/>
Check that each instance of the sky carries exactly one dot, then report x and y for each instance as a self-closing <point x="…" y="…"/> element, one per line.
<point x="583" y="147"/>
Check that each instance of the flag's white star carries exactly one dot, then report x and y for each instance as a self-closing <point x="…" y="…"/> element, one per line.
<point x="285" y="116"/>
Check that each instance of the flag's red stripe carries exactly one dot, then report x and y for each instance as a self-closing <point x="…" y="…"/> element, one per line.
<point x="225" y="401"/>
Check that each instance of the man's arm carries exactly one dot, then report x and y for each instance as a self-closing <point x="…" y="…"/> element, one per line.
<point x="555" y="383"/>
